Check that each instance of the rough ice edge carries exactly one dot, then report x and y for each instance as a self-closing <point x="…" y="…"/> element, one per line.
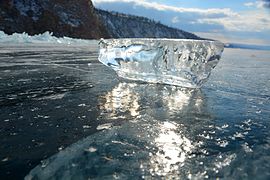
<point x="122" y="43"/>
<point x="45" y="38"/>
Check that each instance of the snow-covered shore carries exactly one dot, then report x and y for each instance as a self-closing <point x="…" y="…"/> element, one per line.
<point x="45" y="38"/>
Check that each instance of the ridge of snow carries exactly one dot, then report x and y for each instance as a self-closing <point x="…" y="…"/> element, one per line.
<point x="45" y="38"/>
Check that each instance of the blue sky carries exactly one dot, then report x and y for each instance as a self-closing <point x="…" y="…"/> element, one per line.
<point x="235" y="21"/>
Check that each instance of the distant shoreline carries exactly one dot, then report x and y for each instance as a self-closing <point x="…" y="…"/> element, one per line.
<point x="247" y="46"/>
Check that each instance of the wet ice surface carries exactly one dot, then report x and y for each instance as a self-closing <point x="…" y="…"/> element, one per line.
<point x="45" y="107"/>
<point x="52" y="97"/>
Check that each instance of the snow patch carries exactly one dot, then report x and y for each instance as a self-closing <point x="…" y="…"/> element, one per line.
<point x="45" y="38"/>
<point x="69" y="20"/>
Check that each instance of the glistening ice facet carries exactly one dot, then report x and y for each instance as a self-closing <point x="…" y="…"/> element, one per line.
<point x="180" y="62"/>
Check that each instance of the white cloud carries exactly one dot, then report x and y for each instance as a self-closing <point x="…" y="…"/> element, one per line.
<point x="249" y="4"/>
<point x="175" y="20"/>
<point x="258" y="4"/>
<point x="229" y="38"/>
<point x="163" y="7"/>
<point x="251" y="21"/>
<point x="266" y="3"/>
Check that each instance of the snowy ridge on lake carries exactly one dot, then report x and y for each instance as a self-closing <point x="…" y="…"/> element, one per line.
<point x="45" y="38"/>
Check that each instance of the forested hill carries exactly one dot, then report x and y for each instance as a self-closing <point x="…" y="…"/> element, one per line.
<point x="121" y="25"/>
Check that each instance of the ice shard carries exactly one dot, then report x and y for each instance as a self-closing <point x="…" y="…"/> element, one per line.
<point x="180" y="62"/>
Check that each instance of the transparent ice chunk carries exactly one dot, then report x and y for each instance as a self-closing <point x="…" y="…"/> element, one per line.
<point x="180" y="62"/>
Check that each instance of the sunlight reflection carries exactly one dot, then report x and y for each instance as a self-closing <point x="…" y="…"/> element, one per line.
<point x="129" y="100"/>
<point x="176" y="98"/>
<point x="121" y="102"/>
<point x="173" y="149"/>
<point x="150" y="105"/>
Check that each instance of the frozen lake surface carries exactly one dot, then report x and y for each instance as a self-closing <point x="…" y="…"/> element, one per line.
<point x="59" y="105"/>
